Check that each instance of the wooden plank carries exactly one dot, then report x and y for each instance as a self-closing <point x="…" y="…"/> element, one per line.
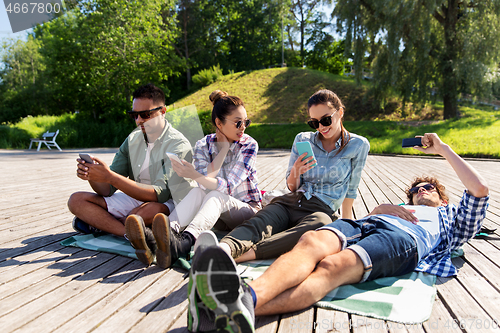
<point x="118" y="302"/>
<point x="488" y="269"/>
<point x="164" y="315"/>
<point x="54" y="291"/>
<point x="298" y="322"/>
<point x="135" y="310"/>
<point x="332" y="321"/>
<point x="462" y="305"/>
<point x="479" y="288"/>
<point x="76" y="296"/>
<point x="266" y="324"/>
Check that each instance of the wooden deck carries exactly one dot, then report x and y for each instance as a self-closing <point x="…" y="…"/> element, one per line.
<point x="45" y="287"/>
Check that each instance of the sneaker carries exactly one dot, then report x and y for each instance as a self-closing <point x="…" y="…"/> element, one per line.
<point x="141" y="238"/>
<point x="222" y="291"/>
<point x="206" y="239"/>
<point x="200" y="318"/>
<point x="83" y="227"/>
<point x="171" y="245"/>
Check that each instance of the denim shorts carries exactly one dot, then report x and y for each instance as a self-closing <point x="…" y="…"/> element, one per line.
<point x="384" y="249"/>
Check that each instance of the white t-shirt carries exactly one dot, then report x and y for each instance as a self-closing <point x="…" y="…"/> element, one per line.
<point x="144" y="176"/>
<point x="425" y="232"/>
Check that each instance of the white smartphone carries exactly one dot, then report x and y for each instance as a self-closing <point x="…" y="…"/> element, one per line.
<point x="174" y="157"/>
<point x="87" y="158"/>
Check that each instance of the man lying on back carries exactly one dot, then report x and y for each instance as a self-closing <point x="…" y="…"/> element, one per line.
<point x="390" y="241"/>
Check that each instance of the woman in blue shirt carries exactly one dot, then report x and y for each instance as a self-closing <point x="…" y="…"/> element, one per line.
<point x="317" y="192"/>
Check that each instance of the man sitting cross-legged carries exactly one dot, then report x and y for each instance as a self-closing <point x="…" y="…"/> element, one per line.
<point x="390" y="241"/>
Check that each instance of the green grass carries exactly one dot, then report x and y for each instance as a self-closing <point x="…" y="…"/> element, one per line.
<point x="279" y="95"/>
<point x="276" y="102"/>
<point x="476" y="134"/>
<point x="75" y="131"/>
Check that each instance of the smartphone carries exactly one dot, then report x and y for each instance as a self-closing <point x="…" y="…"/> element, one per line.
<point x="174" y="157"/>
<point x="87" y="158"/>
<point x="305" y="147"/>
<point x="411" y="142"/>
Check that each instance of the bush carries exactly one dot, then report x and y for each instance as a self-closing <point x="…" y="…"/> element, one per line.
<point x="206" y="77"/>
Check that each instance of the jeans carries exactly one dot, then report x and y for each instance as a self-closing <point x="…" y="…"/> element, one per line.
<point x="384" y="249"/>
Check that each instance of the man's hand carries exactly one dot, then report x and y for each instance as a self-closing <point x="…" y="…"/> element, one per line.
<point x="394" y="210"/>
<point x="432" y="144"/>
<point x="97" y="172"/>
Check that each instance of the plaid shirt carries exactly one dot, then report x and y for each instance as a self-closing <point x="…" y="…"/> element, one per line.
<point x="238" y="175"/>
<point x="458" y="225"/>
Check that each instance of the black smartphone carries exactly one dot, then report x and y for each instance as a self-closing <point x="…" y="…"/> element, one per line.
<point x="87" y="158"/>
<point x="411" y="142"/>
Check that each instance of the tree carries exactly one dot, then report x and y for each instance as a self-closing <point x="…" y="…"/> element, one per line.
<point x="303" y="11"/>
<point x="98" y="53"/>
<point x="21" y="79"/>
<point x="326" y="54"/>
<point x="429" y="45"/>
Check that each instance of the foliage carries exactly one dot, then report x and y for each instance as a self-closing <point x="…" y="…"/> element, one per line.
<point x="327" y="55"/>
<point x="90" y="59"/>
<point x="207" y="76"/>
<point x="21" y="79"/>
<point x="443" y="46"/>
<point x="238" y="35"/>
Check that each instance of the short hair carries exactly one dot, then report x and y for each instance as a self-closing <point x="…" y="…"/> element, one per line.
<point x="150" y="91"/>
<point x="431" y="180"/>
<point x="223" y="104"/>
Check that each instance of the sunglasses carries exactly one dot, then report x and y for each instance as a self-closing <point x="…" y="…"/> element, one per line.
<point x="325" y="121"/>
<point x="241" y="122"/>
<point x="427" y="187"/>
<point x="144" y="114"/>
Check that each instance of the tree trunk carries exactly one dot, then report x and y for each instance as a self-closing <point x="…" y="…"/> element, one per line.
<point x="302" y="33"/>
<point x="186" y="47"/>
<point x="450" y="84"/>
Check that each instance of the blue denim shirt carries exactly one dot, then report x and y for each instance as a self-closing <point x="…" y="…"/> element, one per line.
<point x="336" y="176"/>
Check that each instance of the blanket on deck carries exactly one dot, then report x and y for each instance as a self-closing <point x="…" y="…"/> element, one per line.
<point x="406" y="299"/>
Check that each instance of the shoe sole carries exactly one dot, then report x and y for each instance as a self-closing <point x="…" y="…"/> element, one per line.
<point x="193" y="313"/>
<point x="161" y="231"/>
<point x="135" y="233"/>
<point x="219" y="288"/>
<point x="205" y="239"/>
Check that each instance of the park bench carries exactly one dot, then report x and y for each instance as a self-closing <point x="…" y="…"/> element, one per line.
<point x="49" y="138"/>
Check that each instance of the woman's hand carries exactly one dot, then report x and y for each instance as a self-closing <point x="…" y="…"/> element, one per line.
<point x="302" y="166"/>
<point x="185" y="169"/>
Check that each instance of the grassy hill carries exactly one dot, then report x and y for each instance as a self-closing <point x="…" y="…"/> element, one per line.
<point x="279" y="95"/>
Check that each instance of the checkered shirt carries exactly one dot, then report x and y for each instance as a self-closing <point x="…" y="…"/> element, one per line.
<point x="238" y="175"/>
<point x="457" y="225"/>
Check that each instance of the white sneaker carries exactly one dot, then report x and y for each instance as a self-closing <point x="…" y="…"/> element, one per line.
<point x="205" y="239"/>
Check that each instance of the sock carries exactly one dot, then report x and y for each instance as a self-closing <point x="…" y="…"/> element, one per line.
<point x="254" y="296"/>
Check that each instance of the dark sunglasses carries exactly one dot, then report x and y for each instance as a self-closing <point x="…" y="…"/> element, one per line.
<point x="240" y="122"/>
<point x="325" y="121"/>
<point x="144" y="114"/>
<point x="427" y="187"/>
